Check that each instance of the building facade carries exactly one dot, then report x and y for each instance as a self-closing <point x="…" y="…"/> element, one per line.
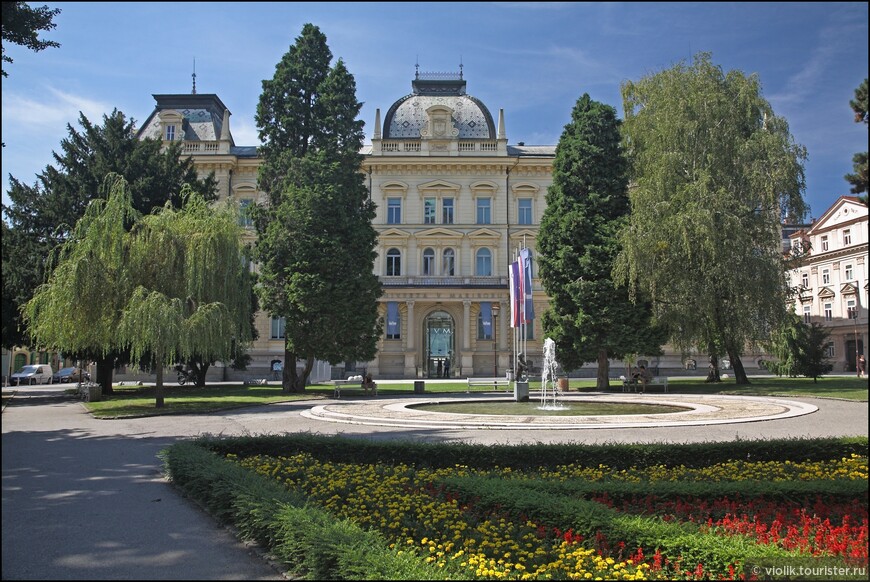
<point x="831" y="279"/>
<point x="455" y="203"/>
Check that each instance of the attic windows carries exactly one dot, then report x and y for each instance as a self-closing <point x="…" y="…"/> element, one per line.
<point x="170" y="133"/>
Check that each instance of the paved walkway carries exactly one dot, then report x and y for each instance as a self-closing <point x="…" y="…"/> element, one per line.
<point x="86" y="499"/>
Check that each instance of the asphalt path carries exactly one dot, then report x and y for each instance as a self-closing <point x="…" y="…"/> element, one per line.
<point x="86" y="499"/>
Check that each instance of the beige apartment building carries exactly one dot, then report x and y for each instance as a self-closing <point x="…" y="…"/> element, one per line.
<point x="455" y="202"/>
<point x="831" y="281"/>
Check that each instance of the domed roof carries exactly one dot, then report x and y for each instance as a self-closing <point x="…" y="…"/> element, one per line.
<point x="408" y="116"/>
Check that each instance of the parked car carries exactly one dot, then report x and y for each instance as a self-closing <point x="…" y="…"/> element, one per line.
<point x="32" y="374"/>
<point x="72" y="374"/>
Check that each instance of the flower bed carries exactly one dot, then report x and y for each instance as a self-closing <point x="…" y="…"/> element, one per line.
<point x="461" y="518"/>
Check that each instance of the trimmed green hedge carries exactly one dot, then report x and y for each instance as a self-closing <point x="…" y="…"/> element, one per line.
<point x="312" y="543"/>
<point x="529" y="457"/>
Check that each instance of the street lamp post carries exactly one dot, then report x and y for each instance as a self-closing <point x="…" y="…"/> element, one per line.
<point x="495" y="310"/>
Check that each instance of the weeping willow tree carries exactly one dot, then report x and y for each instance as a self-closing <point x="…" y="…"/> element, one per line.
<point x="714" y="172"/>
<point x="192" y="296"/>
<point x="175" y="285"/>
<point x="79" y="308"/>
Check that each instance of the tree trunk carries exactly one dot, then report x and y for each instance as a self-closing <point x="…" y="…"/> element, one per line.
<point x="199" y="371"/>
<point x="158" y="391"/>
<point x="290" y="380"/>
<point x="603" y="382"/>
<point x="713" y="374"/>
<point x="740" y="376"/>
<point x="105" y="369"/>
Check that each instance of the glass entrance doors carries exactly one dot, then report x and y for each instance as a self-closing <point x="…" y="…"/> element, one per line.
<point x="438" y="345"/>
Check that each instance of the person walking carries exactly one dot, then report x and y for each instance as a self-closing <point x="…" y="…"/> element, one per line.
<point x="861" y="365"/>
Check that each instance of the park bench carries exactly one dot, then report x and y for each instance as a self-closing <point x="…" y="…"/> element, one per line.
<point x="630" y="385"/>
<point x="337" y="385"/>
<point x="494" y="382"/>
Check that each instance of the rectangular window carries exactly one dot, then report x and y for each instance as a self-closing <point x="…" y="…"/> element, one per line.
<point x="805" y="280"/>
<point x="429" y="211"/>
<point x="393" y="322"/>
<point x="524" y="211"/>
<point x="847" y="237"/>
<point x="245" y="218"/>
<point x="851" y="309"/>
<point x="807" y="314"/>
<point x="826" y="276"/>
<point x="825" y="242"/>
<point x="277" y="331"/>
<point x="829" y="311"/>
<point x="829" y="350"/>
<point x="447" y="210"/>
<point x="170" y="133"/>
<point x="848" y="272"/>
<point x="394" y="211"/>
<point x="484" y="211"/>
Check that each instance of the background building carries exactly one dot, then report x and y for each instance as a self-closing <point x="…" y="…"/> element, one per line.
<point x="455" y="203"/>
<point x="831" y="281"/>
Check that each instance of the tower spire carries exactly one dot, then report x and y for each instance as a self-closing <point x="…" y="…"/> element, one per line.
<point x="194" y="77"/>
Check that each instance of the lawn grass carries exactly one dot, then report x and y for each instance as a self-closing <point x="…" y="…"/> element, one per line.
<point x="140" y="400"/>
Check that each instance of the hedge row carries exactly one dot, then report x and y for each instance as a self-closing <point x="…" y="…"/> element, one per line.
<point x="310" y="542"/>
<point x="530" y="457"/>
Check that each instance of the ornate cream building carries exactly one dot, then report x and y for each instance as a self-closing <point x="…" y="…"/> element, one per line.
<point x="832" y="279"/>
<point x="454" y="202"/>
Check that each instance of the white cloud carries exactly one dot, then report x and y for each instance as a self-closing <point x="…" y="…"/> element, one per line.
<point x="244" y="132"/>
<point x="54" y="108"/>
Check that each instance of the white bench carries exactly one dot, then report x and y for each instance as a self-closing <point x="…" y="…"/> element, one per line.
<point x="494" y="382"/>
<point x="336" y="393"/>
<point x="631" y="386"/>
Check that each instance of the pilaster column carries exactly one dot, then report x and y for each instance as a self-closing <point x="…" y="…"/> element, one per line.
<point x="411" y="270"/>
<point x="412" y="330"/>
<point x="466" y="328"/>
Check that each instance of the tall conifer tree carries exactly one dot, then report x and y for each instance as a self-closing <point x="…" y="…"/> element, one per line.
<point x="316" y="241"/>
<point x="590" y="318"/>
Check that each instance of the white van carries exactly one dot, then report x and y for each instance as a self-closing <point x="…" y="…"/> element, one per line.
<point x="33" y="374"/>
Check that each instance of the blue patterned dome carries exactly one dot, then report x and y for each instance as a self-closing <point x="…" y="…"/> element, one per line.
<point x="407" y="117"/>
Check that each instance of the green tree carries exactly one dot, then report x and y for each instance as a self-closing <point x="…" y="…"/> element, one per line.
<point x="800" y="349"/>
<point x="590" y="318"/>
<point x="173" y="285"/>
<point x="192" y="296"/>
<point x="858" y="179"/>
<point x="78" y="309"/>
<point x="41" y="216"/>
<point x="315" y="244"/>
<point x="714" y="171"/>
<point x="22" y="24"/>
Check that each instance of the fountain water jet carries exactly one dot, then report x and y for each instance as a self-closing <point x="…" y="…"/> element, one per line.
<point x="549" y="387"/>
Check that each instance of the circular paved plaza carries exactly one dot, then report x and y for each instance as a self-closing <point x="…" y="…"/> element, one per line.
<point x="697" y="410"/>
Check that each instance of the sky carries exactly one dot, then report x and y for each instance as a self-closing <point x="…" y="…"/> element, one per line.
<point x="533" y="60"/>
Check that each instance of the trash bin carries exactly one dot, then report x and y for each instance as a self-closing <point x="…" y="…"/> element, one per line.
<point x="419" y="386"/>
<point x="563" y="383"/>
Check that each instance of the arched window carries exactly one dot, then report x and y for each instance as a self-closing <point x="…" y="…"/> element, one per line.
<point x="448" y="262"/>
<point x="428" y="262"/>
<point x="394" y="263"/>
<point x="484" y="263"/>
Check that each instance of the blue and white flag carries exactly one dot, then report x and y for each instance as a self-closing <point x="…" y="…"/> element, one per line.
<point x="392" y="318"/>
<point x="486" y="318"/>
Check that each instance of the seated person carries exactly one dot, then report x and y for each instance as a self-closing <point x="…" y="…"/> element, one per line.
<point x="642" y="377"/>
<point x="369" y="385"/>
